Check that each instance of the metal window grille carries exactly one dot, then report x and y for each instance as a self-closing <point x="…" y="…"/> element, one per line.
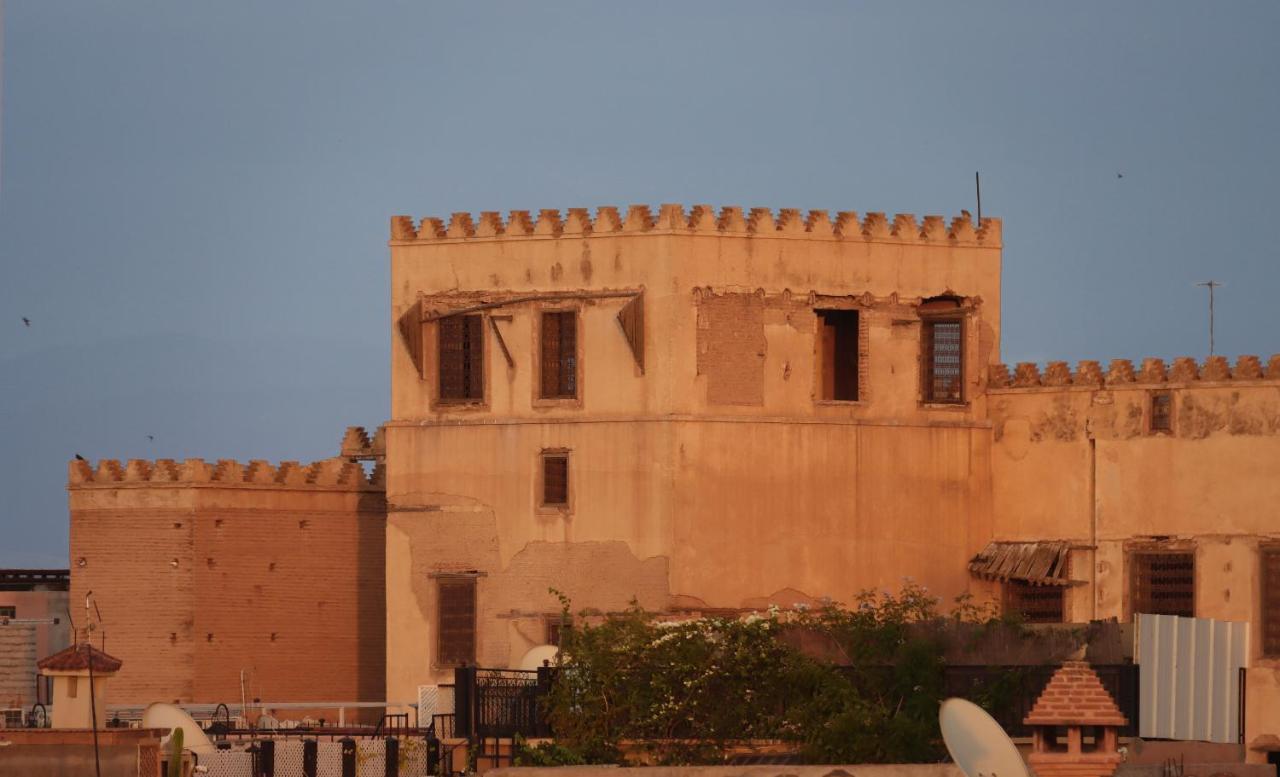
<point x="944" y="361"/>
<point x="839" y="343"/>
<point x="1161" y="411"/>
<point x="457" y="616"/>
<point x="1035" y="603"/>
<point x="1164" y="583"/>
<point x="1270" y="563"/>
<point x="559" y="355"/>
<point x="555" y="479"/>
<point x="461" y="358"/>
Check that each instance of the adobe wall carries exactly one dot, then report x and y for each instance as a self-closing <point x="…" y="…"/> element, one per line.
<point x="712" y="478"/>
<point x="1074" y="458"/>
<point x="202" y="571"/>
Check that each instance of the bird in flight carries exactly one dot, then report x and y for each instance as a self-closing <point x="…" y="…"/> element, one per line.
<point x="1119" y="175"/>
<point x="151" y="437"/>
<point x="26" y="321"/>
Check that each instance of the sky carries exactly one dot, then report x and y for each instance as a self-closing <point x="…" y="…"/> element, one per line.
<point x="194" y="197"/>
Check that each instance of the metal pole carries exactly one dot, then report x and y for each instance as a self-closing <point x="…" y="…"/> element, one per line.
<point x="93" y="701"/>
<point x="1211" y="285"/>
<point x="977" y="185"/>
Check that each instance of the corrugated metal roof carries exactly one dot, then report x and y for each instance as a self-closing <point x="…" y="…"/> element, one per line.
<point x="1038" y="563"/>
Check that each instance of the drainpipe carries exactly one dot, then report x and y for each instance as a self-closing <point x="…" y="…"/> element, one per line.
<point x="1093" y="525"/>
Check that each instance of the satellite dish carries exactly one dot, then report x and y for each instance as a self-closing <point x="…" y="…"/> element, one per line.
<point x="534" y="658"/>
<point x="977" y="743"/>
<point x="168" y="717"/>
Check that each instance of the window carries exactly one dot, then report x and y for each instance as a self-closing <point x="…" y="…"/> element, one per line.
<point x="557" y="625"/>
<point x="8" y="612"/>
<point x="838" y="341"/>
<point x="943" y="367"/>
<point x="555" y="479"/>
<point x="457" y="621"/>
<point x="1164" y="583"/>
<point x="1161" y="412"/>
<point x="73" y="686"/>
<point x="461" y="358"/>
<point x="559" y="355"/>
<point x="1034" y="603"/>
<point x="1270" y="562"/>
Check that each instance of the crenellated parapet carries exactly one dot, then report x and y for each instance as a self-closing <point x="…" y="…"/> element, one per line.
<point x="702" y="219"/>
<point x="336" y="473"/>
<point x="358" y="445"/>
<point x="1121" y="372"/>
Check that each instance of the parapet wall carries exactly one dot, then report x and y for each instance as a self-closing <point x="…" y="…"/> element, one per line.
<point x="703" y="219"/>
<point x="1214" y="369"/>
<point x="327" y="473"/>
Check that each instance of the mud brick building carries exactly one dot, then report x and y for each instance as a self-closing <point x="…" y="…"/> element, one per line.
<point x="704" y="411"/>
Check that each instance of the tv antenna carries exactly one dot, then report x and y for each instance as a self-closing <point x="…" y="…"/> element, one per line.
<point x="1211" y="285"/>
<point x="977" y="186"/>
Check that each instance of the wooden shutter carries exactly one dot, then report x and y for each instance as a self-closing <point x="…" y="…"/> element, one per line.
<point x="1164" y="583"/>
<point x="555" y="479"/>
<point x="559" y="355"/>
<point x="461" y="357"/>
<point x="943" y="360"/>
<point x="631" y="319"/>
<point x="410" y="324"/>
<point x="457" y="621"/>
<point x="1270" y="561"/>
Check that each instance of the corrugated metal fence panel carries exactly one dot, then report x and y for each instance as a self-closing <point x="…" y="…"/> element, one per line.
<point x="1189" y="677"/>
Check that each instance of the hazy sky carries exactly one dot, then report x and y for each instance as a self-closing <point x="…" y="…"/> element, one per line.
<point x="194" y="197"/>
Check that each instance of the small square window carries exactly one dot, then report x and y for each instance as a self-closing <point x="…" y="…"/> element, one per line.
<point x="555" y="479"/>
<point x="557" y="625"/>
<point x="1035" y="603"/>
<point x="8" y="611"/>
<point x="1161" y="412"/>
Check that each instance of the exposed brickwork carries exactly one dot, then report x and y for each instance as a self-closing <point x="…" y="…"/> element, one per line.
<point x="17" y="664"/>
<point x="1075" y="696"/>
<point x="731" y="348"/>
<point x="230" y="568"/>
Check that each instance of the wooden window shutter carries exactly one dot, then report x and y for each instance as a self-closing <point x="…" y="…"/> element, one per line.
<point x="559" y="355"/>
<point x="1163" y="583"/>
<point x="631" y="319"/>
<point x="457" y="621"/>
<point x="461" y="373"/>
<point x="555" y="479"/>
<point x="411" y="333"/>
<point x="943" y="360"/>
<point x="1270" y="561"/>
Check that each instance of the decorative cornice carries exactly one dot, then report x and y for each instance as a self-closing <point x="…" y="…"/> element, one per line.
<point x="905" y="228"/>
<point x="1121" y="372"/>
<point x="336" y="473"/>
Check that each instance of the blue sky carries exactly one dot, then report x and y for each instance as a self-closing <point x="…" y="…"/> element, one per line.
<point x="194" y="197"/>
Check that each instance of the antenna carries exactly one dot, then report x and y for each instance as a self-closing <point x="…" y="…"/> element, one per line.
<point x="1211" y="285"/>
<point x="977" y="185"/>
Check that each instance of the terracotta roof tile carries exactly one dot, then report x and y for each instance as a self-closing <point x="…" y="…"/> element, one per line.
<point x="77" y="657"/>
<point x="1075" y="696"/>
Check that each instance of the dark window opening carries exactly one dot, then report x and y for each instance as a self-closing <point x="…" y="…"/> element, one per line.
<point x="461" y="358"/>
<point x="1270" y="561"/>
<point x="838" y="339"/>
<point x="944" y="360"/>
<point x="555" y="479"/>
<point x="457" y="621"/>
<point x="559" y="355"/>
<point x="1161" y="411"/>
<point x="1164" y="583"/>
<point x="1057" y="739"/>
<point x="557" y="625"/>
<point x="1035" y="603"/>
<point x="1090" y="738"/>
<point x="8" y="612"/>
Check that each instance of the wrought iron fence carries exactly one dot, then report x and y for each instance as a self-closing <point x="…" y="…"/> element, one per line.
<point x="500" y="702"/>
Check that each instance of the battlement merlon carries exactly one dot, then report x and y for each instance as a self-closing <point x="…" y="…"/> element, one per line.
<point x="336" y="474"/>
<point x="1121" y="373"/>
<point x="702" y="220"/>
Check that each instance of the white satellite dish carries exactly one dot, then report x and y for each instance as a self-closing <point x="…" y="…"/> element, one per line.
<point x="168" y="717"/>
<point x="534" y="658"/>
<point x="977" y="743"/>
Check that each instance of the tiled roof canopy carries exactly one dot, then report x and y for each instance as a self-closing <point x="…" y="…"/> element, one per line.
<point x="1039" y="563"/>
<point x="1075" y="697"/>
<point x="77" y="657"/>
